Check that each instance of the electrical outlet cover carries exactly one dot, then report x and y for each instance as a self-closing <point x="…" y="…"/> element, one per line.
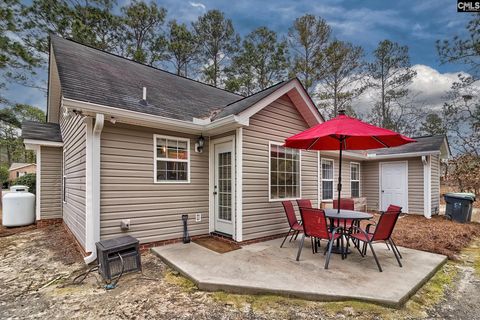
<point x="198" y="217"/>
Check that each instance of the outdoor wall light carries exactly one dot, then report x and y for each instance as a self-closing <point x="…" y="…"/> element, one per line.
<point x="200" y="143"/>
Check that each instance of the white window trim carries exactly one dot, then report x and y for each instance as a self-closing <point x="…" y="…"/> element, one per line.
<point x="359" y="179"/>
<point x="160" y="136"/>
<point x="333" y="178"/>
<point x="270" y="143"/>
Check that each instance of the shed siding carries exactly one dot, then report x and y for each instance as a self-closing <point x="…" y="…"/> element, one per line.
<point x="128" y="190"/>
<point x="371" y="178"/>
<point x="51" y="183"/>
<point x="435" y="181"/>
<point x="274" y="123"/>
<point x="415" y="186"/>
<point x="74" y="144"/>
<point x="370" y="172"/>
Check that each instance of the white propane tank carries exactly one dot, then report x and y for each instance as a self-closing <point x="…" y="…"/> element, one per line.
<point x="18" y="207"/>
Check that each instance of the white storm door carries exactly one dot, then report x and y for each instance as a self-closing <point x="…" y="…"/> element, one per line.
<point x="393" y="185"/>
<point x="223" y="187"/>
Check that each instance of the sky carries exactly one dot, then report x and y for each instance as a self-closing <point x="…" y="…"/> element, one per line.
<point x="417" y="24"/>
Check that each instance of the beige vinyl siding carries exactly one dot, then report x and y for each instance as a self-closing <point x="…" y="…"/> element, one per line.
<point x="128" y="190"/>
<point x="371" y="177"/>
<point x="370" y="172"/>
<point x="274" y="123"/>
<point x="51" y="183"/>
<point x="74" y="144"/>
<point x="415" y="186"/>
<point x="435" y="183"/>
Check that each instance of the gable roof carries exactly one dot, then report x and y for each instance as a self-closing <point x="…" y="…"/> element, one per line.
<point x="19" y="165"/>
<point x="242" y="104"/>
<point x="48" y="131"/>
<point x="423" y="144"/>
<point x="101" y="79"/>
<point x="91" y="75"/>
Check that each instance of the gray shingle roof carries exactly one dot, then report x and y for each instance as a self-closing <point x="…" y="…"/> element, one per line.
<point x="423" y="144"/>
<point x="91" y="75"/>
<point x="41" y="131"/>
<point x="242" y="104"/>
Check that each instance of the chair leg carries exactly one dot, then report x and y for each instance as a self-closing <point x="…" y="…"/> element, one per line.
<point x="388" y="247"/>
<point x="330" y="246"/>
<point x="358" y="248"/>
<point x="296" y="235"/>
<point x="395" y="246"/>
<point x="293" y="234"/>
<point x="395" y="252"/>
<point x="288" y="233"/>
<point x="375" y="256"/>
<point x="301" y="246"/>
<point x="313" y="245"/>
<point x="342" y="248"/>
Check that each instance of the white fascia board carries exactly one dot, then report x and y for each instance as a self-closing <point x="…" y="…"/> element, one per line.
<point x="345" y="154"/>
<point x="401" y="155"/>
<point x="29" y="143"/>
<point x="148" y="120"/>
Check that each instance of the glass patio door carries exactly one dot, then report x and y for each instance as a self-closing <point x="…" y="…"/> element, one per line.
<point x="223" y="188"/>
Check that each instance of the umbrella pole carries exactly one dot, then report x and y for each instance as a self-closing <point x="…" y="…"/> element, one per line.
<point x="339" y="186"/>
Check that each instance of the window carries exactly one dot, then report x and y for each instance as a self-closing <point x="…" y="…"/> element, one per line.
<point x="284" y="172"/>
<point x="355" y="179"/>
<point x="172" y="157"/>
<point x="327" y="179"/>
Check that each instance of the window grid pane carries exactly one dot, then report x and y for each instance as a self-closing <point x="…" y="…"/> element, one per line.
<point x="172" y="159"/>
<point x="327" y="179"/>
<point x="284" y="172"/>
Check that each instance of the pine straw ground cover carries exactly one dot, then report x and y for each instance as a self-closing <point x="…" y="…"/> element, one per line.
<point x="438" y="234"/>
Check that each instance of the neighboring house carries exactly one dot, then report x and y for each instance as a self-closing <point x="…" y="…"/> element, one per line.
<point x="18" y="170"/>
<point x="128" y="141"/>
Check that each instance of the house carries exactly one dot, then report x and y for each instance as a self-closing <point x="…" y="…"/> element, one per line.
<point x="18" y="170"/>
<point x="125" y="142"/>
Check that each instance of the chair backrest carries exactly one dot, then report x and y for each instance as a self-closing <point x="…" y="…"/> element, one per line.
<point x="386" y="223"/>
<point x="304" y="203"/>
<point x="345" y="204"/>
<point x="314" y="223"/>
<point x="290" y="212"/>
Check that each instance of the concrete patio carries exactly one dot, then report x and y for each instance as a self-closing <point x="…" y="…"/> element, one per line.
<point x="264" y="268"/>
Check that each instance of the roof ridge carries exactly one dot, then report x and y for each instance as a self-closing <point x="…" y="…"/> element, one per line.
<point x="142" y="64"/>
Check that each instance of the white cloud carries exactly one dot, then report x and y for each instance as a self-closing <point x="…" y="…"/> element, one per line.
<point x="429" y="88"/>
<point x="198" y="5"/>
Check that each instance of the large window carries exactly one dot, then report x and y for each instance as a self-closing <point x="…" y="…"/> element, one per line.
<point x="172" y="157"/>
<point x="327" y="179"/>
<point x="284" y="172"/>
<point x="355" y="179"/>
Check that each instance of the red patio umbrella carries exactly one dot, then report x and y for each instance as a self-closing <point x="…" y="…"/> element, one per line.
<point x="345" y="133"/>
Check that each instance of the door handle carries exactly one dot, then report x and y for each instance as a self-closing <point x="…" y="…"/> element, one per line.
<point x="383" y="191"/>
<point x="214" y="192"/>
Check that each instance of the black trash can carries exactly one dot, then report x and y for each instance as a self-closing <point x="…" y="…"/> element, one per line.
<point x="459" y="206"/>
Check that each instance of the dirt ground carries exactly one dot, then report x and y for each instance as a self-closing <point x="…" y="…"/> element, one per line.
<point x="37" y="268"/>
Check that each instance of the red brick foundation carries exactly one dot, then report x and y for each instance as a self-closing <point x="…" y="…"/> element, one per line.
<point x="48" y="222"/>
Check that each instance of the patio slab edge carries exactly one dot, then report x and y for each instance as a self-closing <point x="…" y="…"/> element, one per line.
<point x="243" y="289"/>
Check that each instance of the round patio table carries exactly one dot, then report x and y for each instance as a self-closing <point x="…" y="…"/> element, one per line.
<point x="345" y="215"/>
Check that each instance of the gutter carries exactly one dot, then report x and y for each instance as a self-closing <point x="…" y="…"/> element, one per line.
<point x="143" y="119"/>
<point x="92" y="222"/>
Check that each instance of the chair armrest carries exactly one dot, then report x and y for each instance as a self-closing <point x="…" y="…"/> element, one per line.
<point x="367" y="229"/>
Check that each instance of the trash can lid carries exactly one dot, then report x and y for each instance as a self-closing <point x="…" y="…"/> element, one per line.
<point x="461" y="195"/>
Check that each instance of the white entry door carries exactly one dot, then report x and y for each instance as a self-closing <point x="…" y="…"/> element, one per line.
<point x="394" y="185"/>
<point x="223" y="187"/>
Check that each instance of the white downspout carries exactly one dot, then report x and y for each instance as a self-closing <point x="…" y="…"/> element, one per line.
<point x="427" y="188"/>
<point x="93" y="186"/>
